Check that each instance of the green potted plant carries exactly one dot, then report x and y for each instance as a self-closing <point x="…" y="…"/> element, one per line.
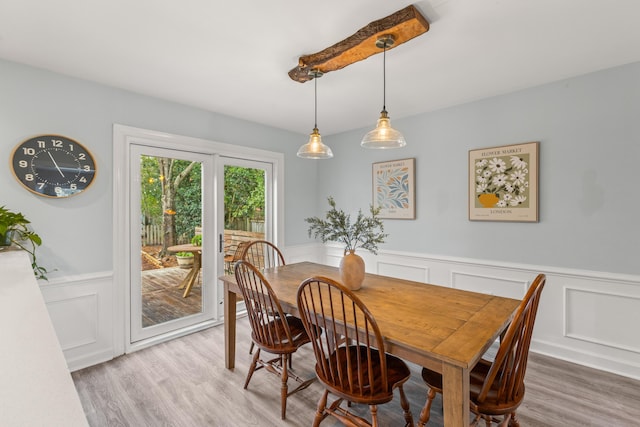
<point x="185" y="259"/>
<point x="366" y="232"/>
<point x="15" y="231"/>
<point x="196" y="240"/>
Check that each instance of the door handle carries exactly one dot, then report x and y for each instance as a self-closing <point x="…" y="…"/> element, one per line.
<point x="220" y="243"/>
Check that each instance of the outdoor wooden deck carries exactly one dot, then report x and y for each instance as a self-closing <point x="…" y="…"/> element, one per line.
<point x="162" y="301"/>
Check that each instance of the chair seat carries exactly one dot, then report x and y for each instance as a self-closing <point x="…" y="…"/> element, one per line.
<point x="478" y="374"/>
<point x="373" y="393"/>
<point x="298" y="335"/>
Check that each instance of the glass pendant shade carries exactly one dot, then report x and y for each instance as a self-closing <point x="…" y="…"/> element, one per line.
<point x="315" y="149"/>
<point x="383" y="136"/>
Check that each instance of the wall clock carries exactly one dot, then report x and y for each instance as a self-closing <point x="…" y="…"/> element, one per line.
<point x="53" y="166"/>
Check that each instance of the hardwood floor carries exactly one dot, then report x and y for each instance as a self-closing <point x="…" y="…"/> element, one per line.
<point x="184" y="383"/>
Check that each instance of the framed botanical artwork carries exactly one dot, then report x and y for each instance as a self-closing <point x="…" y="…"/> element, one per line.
<point x="503" y="183"/>
<point x="394" y="189"/>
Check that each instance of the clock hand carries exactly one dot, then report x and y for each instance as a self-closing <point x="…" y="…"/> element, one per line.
<point x="54" y="162"/>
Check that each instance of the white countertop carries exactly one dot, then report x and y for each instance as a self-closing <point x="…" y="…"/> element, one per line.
<point x="36" y="388"/>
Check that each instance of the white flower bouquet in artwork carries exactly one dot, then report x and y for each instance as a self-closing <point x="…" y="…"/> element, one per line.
<point x="502" y="181"/>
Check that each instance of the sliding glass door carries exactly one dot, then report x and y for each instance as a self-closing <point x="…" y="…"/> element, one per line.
<point x="245" y="208"/>
<point x="172" y="267"/>
<point x="178" y="200"/>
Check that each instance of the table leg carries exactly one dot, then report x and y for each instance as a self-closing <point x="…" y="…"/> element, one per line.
<point x="229" y="328"/>
<point x="455" y="396"/>
<point x="193" y="275"/>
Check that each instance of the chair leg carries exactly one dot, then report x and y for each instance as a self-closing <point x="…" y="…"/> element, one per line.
<point x="251" y="348"/>
<point x="408" y="417"/>
<point x="252" y="369"/>
<point x="425" y="414"/>
<point x="374" y="415"/>
<point x="513" y="422"/>
<point x="284" y="389"/>
<point x="322" y="404"/>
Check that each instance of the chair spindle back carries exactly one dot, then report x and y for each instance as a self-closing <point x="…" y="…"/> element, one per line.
<point x="263" y="254"/>
<point x="510" y="364"/>
<point x="350" y="354"/>
<point x="270" y="329"/>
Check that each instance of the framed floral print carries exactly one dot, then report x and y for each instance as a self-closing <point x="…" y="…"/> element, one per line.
<point x="503" y="183"/>
<point x="394" y="189"/>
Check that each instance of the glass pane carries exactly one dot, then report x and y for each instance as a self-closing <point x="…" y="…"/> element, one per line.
<point x="171" y="217"/>
<point x="244" y="210"/>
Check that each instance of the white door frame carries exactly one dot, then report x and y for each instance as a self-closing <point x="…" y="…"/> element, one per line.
<point x="123" y="138"/>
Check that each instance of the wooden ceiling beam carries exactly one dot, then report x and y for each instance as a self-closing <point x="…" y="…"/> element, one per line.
<point x="403" y="25"/>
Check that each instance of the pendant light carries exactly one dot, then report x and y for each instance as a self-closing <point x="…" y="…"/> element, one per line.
<point x="384" y="136"/>
<point x="315" y="149"/>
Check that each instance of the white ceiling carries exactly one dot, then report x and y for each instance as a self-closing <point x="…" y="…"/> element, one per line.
<point x="232" y="57"/>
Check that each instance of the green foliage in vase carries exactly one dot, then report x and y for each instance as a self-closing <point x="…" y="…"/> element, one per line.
<point x="184" y="254"/>
<point x="15" y="229"/>
<point x="365" y="232"/>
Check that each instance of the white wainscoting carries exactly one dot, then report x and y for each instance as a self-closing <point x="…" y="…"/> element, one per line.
<point x="81" y="310"/>
<point x="585" y="317"/>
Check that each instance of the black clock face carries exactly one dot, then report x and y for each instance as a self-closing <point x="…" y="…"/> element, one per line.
<point x="53" y="166"/>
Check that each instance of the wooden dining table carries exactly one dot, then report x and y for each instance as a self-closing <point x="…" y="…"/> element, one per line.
<point x="444" y="329"/>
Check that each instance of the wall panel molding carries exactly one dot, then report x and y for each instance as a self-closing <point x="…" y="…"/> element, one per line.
<point x="583" y="328"/>
<point x="567" y="326"/>
<point x="489" y="284"/>
<point x="602" y="318"/>
<point x="82" y="312"/>
<point x="76" y="334"/>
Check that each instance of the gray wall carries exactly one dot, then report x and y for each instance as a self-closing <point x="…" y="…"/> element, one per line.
<point x="588" y="128"/>
<point x="589" y="133"/>
<point x="77" y="231"/>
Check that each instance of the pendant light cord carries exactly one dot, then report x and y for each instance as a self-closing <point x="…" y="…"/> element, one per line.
<point x="384" y="77"/>
<point x="315" y="117"/>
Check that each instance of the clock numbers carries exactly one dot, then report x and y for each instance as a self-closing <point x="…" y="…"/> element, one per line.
<point x="28" y="151"/>
<point x="23" y="163"/>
